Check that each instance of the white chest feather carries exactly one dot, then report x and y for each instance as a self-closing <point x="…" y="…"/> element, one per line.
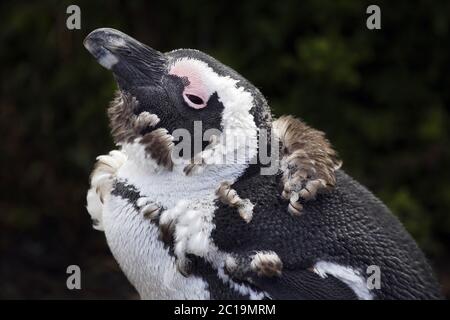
<point x="142" y="256"/>
<point x="135" y="240"/>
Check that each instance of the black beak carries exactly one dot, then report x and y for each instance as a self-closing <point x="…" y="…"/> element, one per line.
<point x="134" y="64"/>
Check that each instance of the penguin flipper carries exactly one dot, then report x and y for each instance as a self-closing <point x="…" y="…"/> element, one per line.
<point x="303" y="285"/>
<point x="264" y="270"/>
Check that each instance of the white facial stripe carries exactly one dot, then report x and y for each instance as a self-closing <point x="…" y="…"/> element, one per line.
<point x="239" y="128"/>
<point x="199" y="75"/>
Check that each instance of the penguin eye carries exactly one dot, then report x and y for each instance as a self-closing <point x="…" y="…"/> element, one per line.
<point x="194" y="101"/>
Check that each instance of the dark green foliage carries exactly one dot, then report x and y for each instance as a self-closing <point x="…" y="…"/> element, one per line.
<point x="381" y="96"/>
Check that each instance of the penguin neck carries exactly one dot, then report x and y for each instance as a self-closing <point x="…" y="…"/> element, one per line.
<point x="150" y="178"/>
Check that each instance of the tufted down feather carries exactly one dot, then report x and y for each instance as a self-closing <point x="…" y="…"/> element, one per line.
<point x="308" y="161"/>
<point x="102" y="178"/>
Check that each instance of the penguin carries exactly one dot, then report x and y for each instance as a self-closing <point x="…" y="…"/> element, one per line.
<point x="209" y="224"/>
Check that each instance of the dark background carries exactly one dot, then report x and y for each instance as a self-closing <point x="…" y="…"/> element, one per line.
<point x="381" y="96"/>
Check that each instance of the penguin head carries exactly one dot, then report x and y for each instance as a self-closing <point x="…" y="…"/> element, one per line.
<point x="181" y="88"/>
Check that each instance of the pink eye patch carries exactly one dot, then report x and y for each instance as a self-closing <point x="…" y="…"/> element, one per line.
<point x="195" y="94"/>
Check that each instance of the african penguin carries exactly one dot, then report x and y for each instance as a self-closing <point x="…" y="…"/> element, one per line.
<point x="209" y="224"/>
